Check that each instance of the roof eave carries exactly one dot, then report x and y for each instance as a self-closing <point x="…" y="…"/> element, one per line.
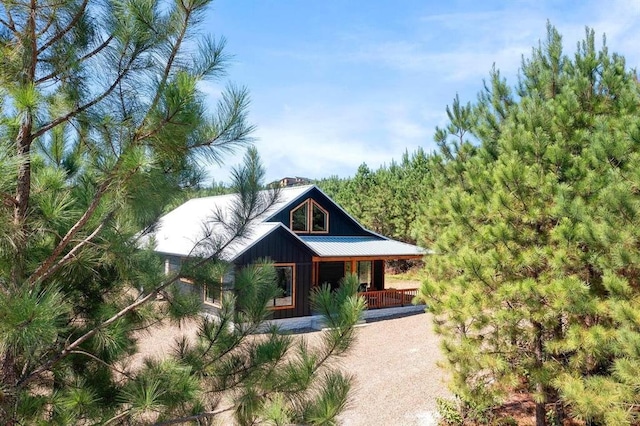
<point x="369" y="257"/>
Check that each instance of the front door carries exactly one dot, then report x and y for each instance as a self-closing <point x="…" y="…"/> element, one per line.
<point x="331" y="273"/>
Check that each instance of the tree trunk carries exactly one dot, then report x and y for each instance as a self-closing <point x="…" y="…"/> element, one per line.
<point x="559" y="413"/>
<point x="23" y="192"/>
<point x="541" y="412"/>
<point x="8" y="400"/>
<point x="23" y="150"/>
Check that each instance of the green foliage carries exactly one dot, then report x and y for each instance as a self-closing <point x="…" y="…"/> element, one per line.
<point x="30" y="316"/>
<point x="339" y="309"/>
<point x="532" y="212"/>
<point x="102" y="129"/>
<point x="449" y="412"/>
<point x="276" y="378"/>
<point x="385" y="200"/>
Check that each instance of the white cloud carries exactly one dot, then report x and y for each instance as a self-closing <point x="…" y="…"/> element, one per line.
<point x="316" y="142"/>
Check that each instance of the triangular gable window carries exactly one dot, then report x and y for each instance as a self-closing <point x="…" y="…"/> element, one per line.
<point x="299" y="221"/>
<point x="309" y="217"/>
<point x="319" y="218"/>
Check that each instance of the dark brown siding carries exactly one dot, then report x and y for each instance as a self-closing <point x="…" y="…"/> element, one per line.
<point x="282" y="247"/>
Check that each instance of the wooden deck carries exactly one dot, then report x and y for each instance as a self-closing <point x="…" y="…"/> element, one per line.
<point x="389" y="298"/>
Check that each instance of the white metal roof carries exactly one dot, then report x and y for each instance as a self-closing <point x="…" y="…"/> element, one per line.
<point x="197" y="227"/>
<point x="347" y="246"/>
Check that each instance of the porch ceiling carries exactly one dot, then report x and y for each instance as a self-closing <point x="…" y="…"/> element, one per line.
<point x="347" y="246"/>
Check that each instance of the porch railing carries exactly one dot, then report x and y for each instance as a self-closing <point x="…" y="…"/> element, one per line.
<point x="388" y="298"/>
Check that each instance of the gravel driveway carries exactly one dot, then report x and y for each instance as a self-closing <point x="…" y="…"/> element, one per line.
<point x="397" y="379"/>
<point x="394" y="363"/>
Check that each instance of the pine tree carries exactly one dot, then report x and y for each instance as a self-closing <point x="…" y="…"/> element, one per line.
<point x="533" y="217"/>
<point x="101" y="126"/>
<point x="384" y="200"/>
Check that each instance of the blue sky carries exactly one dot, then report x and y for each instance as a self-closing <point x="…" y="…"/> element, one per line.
<point x="338" y="83"/>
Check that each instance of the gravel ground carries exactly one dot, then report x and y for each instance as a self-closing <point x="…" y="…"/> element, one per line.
<point x="397" y="379"/>
<point x="393" y="361"/>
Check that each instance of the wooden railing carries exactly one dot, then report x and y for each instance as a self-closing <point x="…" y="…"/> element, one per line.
<point x="388" y="298"/>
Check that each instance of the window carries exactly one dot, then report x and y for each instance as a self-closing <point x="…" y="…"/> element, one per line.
<point x="286" y="276"/>
<point x="319" y="218"/>
<point x="212" y="293"/>
<point x="309" y="217"/>
<point x="299" y="222"/>
<point x="364" y="273"/>
<point x="172" y="264"/>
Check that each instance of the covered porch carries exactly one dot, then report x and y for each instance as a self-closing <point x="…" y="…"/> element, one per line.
<point x="365" y="256"/>
<point x="370" y="271"/>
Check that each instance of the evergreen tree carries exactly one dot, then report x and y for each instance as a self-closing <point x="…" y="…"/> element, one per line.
<point x="384" y="200"/>
<point x="533" y="215"/>
<point x="101" y="126"/>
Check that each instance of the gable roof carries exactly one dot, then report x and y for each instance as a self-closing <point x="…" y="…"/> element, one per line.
<point x="197" y="228"/>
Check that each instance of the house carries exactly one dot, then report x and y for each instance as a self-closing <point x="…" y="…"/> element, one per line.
<point x="310" y="239"/>
<point x="293" y="181"/>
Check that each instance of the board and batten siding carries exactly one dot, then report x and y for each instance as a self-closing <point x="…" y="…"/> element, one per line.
<point x="339" y="222"/>
<point x="282" y="247"/>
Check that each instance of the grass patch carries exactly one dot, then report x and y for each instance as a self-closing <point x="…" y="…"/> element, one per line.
<point x="413" y="275"/>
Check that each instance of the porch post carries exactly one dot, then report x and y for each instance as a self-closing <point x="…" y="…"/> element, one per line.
<point x="315" y="264"/>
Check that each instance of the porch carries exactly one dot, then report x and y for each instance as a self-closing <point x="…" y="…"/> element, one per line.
<point x="371" y="276"/>
<point x="390" y="298"/>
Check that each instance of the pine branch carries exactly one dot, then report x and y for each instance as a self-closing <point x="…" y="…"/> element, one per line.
<point x="8" y="199"/>
<point x="71" y="114"/>
<point x="42" y="274"/>
<point x="196" y="417"/>
<point x="70" y="347"/>
<point x="98" y="360"/>
<point x="9" y="25"/>
<point x="65" y="30"/>
<point x="87" y="56"/>
<point x="71" y="233"/>
<point x="175" y="49"/>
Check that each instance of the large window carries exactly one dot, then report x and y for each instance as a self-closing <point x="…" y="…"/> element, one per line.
<point x="211" y="293"/>
<point x="309" y="217"/>
<point x="319" y="219"/>
<point x="286" y="276"/>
